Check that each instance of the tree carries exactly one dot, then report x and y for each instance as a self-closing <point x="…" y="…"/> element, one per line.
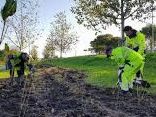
<point x="147" y="30"/>
<point x="9" y="9"/>
<point x="61" y="34"/>
<point x="102" y="41"/>
<point x="49" y="50"/>
<point x="34" y="54"/>
<point x="23" y="26"/>
<point x="101" y="13"/>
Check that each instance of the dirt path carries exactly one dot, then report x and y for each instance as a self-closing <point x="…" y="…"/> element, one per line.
<point x="56" y="92"/>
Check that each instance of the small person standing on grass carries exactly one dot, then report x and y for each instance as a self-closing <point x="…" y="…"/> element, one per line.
<point x="18" y="62"/>
<point x="131" y="63"/>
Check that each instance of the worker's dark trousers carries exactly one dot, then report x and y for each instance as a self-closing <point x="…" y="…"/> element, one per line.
<point x="20" y="74"/>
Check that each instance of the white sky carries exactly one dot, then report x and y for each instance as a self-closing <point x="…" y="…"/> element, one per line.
<point x="48" y="8"/>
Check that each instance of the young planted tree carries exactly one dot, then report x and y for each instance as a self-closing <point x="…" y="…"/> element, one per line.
<point x="61" y="34"/>
<point x="9" y="9"/>
<point x="98" y="14"/>
<point x="101" y="42"/>
<point x="34" y="54"/>
<point x="23" y="26"/>
<point x="49" y="50"/>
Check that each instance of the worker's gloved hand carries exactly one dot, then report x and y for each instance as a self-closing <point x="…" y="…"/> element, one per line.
<point x="145" y="84"/>
<point x="142" y="83"/>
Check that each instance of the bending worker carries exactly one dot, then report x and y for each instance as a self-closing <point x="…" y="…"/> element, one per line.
<point x="136" y="41"/>
<point x="131" y="62"/>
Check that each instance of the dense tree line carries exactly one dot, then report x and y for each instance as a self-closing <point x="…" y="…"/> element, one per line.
<point x="101" y="42"/>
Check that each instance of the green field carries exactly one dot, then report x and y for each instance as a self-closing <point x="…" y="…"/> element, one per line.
<point x="4" y="74"/>
<point x="101" y="71"/>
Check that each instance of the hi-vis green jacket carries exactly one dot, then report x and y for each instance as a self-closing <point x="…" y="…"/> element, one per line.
<point x="124" y="55"/>
<point x="136" y="43"/>
<point x="15" y="61"/>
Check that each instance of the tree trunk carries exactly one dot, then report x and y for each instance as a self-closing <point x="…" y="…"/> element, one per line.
<point x="61" y="50"/>
<point x="122" y="24"/>
<point x="60" y="54"/>
<point x="152" y="40"/>
<point x="2" y="35"/>
<point x="154" y="43"/>
<point x="151" y="44"/>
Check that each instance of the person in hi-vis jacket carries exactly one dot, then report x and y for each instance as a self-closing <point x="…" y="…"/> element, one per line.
<point x="136" y="41"/>
<point x="131" y="61"/>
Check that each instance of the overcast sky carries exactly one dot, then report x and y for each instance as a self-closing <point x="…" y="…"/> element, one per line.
<point x="48" y="8"/>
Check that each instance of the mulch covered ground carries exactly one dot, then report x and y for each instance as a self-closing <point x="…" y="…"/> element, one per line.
<point x="56" y="92"/>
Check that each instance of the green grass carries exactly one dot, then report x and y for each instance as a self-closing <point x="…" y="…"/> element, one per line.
<point x="101" y="71"/>
<point x="4" y="74"/>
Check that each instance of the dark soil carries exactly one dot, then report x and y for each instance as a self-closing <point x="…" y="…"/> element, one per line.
<point x="56" y="92"/>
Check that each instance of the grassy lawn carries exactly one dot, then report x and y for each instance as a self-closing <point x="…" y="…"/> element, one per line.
<point x="101" y="71"/>
<point x="4" y="74"/>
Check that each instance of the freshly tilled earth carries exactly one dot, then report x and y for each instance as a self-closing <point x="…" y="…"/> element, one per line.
<point x="56" y="92"/>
